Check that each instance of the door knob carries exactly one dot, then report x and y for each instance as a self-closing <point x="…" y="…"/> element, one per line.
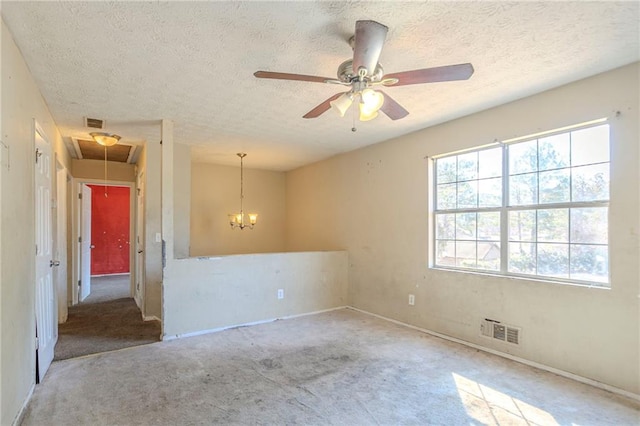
<point x="53" y="263"/>
<point x="92" y="246"/>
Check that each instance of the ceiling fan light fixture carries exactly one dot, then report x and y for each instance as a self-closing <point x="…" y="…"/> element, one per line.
<point x="367" y="115"/>
<point x="371" y="99"/>
<point x="105" y="139"/>
<point x="342" y="104"/>
<point x="370" y="102"/>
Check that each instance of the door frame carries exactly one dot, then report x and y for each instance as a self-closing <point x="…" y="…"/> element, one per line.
<point x="61" y="237"/>
<point x="76" y="220"/>
<point x="140" y="244"/>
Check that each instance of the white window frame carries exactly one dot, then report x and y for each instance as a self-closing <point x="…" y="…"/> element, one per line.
<point x="505" y="209"/>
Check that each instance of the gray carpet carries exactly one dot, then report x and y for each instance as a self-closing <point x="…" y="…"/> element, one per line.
<point x="107" y="320"/>
<point x="109" y="287"/>
<point x="334" y="368"/>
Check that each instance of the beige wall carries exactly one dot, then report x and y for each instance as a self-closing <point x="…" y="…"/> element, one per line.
<point x="207" y="293"/>
<point x="182" y="199"/>
<point x="593" y="333"/>
<point x="204" y="294"/>
<point x="21" y="103"/>
<point x="94" y="169"/>
<point x="215" y="193"/>
<point x="149" y="167"/>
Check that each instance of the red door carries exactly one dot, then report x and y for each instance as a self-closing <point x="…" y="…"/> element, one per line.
<point x="109" y="230"/>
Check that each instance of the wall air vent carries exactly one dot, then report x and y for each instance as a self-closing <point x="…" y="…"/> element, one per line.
<point x="95" y="123"/>
<point x="496" y="330"/>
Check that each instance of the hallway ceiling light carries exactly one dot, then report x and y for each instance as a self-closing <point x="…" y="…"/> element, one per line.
<point x="236" y="220"/>
<point x="105" y="139"/>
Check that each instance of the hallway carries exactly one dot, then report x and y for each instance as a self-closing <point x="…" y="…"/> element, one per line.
<point x="107" y="320"/>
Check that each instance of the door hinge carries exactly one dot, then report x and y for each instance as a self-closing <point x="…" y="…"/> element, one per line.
<point x="36" y="249"/>
<point x="80" y="196"/>
<point x="38" y="154"/>
<point x="79" y="283"/>
<point x="79" y="239"/>
<point x="37" y="344"/>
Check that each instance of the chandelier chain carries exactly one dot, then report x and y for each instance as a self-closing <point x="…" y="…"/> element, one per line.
<point x="105" y="172"/>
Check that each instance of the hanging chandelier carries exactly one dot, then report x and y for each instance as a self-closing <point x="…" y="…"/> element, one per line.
<point x="237" y="220"/>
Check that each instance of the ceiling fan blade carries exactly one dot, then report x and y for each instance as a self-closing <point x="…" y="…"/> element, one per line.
<point x="392" y="109"/>
<point x="432" y="75"/>
<point x="286" y="76"/>
<point x="323" y="107"/>
<point x="369" y="39"/>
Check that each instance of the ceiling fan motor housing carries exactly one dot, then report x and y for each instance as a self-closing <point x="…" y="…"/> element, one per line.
<point x="346" y="73"/>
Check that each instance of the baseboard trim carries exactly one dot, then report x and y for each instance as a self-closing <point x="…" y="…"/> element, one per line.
<point x="151" y="318"/>
<point x="23" y="410"/>
<point x="246" y="324"/>
<point x="553" y="370"/>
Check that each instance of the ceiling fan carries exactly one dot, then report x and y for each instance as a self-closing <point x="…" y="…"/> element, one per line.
<point x="365" y="75"/>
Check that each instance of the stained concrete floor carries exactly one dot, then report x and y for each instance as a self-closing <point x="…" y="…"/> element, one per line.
<point x="340" y="367"/>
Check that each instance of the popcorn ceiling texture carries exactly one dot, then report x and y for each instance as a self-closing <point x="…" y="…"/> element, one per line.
<point x="134" y="63"/>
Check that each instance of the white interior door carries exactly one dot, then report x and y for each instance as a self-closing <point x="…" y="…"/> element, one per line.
<point x="85" y="243"/>
<point x="46" y="309"/>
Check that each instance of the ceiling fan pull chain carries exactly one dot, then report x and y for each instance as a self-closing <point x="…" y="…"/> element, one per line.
<point x="353" y="116"/>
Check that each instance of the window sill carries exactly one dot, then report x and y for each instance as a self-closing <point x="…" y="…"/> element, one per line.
<point x="537" y="279"/>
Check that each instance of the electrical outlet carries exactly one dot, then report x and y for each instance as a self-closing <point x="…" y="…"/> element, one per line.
<point x="412" y="299"/>
<point x="280" y="293"/>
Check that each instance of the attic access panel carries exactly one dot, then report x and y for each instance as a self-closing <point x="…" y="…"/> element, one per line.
<point x="91" y="150"/>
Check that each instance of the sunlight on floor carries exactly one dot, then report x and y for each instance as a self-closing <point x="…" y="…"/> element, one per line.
<point x="490" y="406"/>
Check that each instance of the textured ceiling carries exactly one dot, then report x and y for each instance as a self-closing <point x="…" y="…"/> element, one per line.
<point x="134" y="63"/>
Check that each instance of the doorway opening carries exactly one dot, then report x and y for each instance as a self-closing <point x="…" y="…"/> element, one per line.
<point x="104" y="316"/>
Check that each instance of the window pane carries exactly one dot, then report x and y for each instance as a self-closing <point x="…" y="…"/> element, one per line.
<point x="446" y="197"/>
<point x="589" y="263"/>
<point x="468" y="194"/>
<point x="446" y="226"/>
<point x="523" y="189"/>
<point x="590" y="145"/>
<point x="466" y="226"/>
<point x="490" y="163"/>
<point x="553" y="152"/>
<point x="553" y="225"/>
<point x="488" y="256"/>
<point x="553" y="260"/>
<point x="522" y="258"/>
<point x="468" y="166"/>
<point x="590" y="225"/>
<point x="490" y="192"/>
<point x="590" y="183"/>
<point x="550" y="179"/>
<point x="523" y="157"/>
<point x="445" y="253"/>
<point x="522" y="225"/>
<point x="489" y="226"/>
<point x="466" y="254"/>
<point x="554" y="186"/>
<point x="446" y="169"/>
